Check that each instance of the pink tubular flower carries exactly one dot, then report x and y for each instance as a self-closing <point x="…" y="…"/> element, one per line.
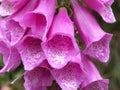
<point x="94" y="38"/>
<point x="61" y="46"/>
<point x="34" y="33"/>
<point x="30" y="51"/>
<point x="97" y="85"/>
<point x="103" y="7"/>
<point x="11" y="57"/>
<point x="16" y="32"/>
<point x="41" y="18"/>
<point x="8" y="7"/>
<point x="69" y="77"/>
<point x="83" y="74"/>
<point x="37" y="79"/>
<point x="28" y="7"/>
<point x="92" y="76"/>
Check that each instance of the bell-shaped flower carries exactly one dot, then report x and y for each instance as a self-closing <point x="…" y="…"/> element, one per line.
<point x="103" y="7"/>
<point x="69" y="77"/>
<point x="11" y="57"/>
<point x="37" y="79"/>
<point x="28" y="7"/>
<point x="61" y="46"/>
<point x="4" y="34"/>
<point x="31" y="52"/>
<point x="40" y="19"/>
<point x="97" y="85"/>
<point x="93" y="79"/>
<point x="8" y="7"/>
<point x="95" y="39"/>
<point x="16" y="32"/>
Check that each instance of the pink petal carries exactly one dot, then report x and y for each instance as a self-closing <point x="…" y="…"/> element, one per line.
<point x="69" y="77"/>
<point x="100" y="49"/>
<point x="37" y="78"/>
<point x="28" y="7"/>
<point x="31" y="52"/>
<point x="94" y="38"/>
<point x="8" y="7"/>
<point x="103" y="7"/>
<point x="11" y="57"/>
<point x="16" y="31"/>
<point x="61" y="46"/>
<point x="91" y="73"/>
<point x="77" y="59"/>
<point x="46" y="65"/>
<point x="4" y="34"/>
<point x="97" y="85"/>
<point x="41" y="18"/>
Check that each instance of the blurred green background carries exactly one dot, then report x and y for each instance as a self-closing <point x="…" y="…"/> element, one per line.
<point x="110" y="70"/>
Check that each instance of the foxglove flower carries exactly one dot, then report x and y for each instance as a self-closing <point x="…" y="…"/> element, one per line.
<point x="14" y="25"/>
<point x="8" y="7"/>
<point x="46" y="44"/>
<point x="37" y="79"/>
<point x="69" y="77"/>
<point x="95" y="39"/>
<point x="28" y="7"/>
<point x="97" y="85"/>
<point x="41" y="18"/>
<point x="61" y="46"/>
<point x="11" y="57"/>
<point x="92" y="76"/>
<point x="5" y="35"/>
<point x="16" y="32"/>
<point x="103" y="7"/>
<point x="31" y="52"/>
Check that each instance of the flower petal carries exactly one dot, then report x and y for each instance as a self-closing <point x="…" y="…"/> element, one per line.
<point x="61" y="46"/>
<point x="28" y="7"/>
<point x="8" y="7"/>
<point x="92" y="76"/>
<point x="94" y="38"/>
<point x="46" y="65"/>
<point x="97" y="85"/>
<point x="41" y="18"/>
<point x="103" y="7"/>
<point x="37" y="78"/>
<point x="31" y="52"/>
<point x="16" y="31"/>
<point x="100" y="49"/>
<point x="69" y="77"/>
<point x="11" y="57"/>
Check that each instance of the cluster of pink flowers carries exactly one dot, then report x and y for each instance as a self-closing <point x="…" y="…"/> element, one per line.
<point x="34" y="34"/>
